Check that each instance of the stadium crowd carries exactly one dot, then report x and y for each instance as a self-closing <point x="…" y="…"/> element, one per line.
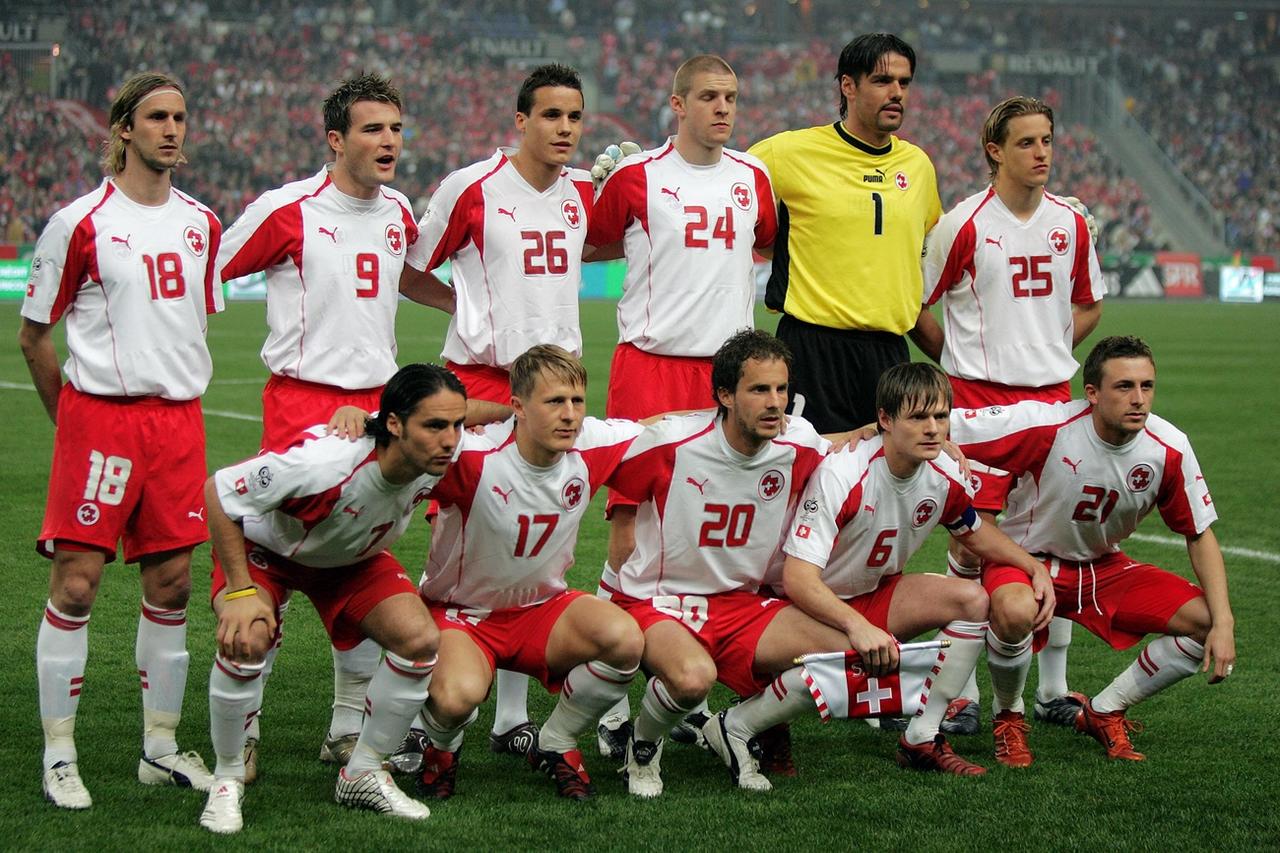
<point x="257" y="121"/>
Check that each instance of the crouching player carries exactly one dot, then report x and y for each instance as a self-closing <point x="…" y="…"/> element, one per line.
<point x="1094" y="469"/>
<point x="862" y="517"/>
<point x="317" y="518"/>
<point x="495" y="579"/>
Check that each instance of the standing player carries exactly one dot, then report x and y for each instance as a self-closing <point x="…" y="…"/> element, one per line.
<point x="130" y="267"/>
<point x="495" y="582"/>
<point x="1091" y="471"/>
<point x="318" y="517"/>
<point x="864" y="514"/>
<point x="1018" y="278"/>
<point x="716" y="494"/>
<point x="332" y="247"/>
<point x="854" y="205"/>
<point x="689" y="216"/>
<point x="514" y="227"/>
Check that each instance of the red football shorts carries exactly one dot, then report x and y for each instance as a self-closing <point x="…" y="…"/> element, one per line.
<point x="1114" y="596"/>
<point x="514" y="639"/>
<point x="642" y="385"/>
<point x="342" y="595"/>
<point x="492" y="384"/>
<point x="125" y="467"/>
<point x="874" y="605"/>
<point x="291" y="406"/>
<point x="727" y="624"/>
<point x="993" y="488"/>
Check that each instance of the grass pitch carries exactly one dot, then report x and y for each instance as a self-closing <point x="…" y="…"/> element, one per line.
<point x="1209" y="782"/>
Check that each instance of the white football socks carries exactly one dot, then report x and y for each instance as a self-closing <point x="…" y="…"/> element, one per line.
<point x="62" y="647"/>
<point x="396" y="694"/>
<point x="588" y="690"/>
<point x="1009" y="664"/>
<point x="161" y="655"/>
<point x="954" y="667"/>
<point x="1165" y="661"/>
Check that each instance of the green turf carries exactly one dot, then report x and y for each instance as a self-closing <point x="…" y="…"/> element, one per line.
<point x="1209" y="783"/>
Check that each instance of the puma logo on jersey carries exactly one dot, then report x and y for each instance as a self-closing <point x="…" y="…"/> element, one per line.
<point x="675" y="193"/>
<point x="996" y="242"/>
<point x="504" y="212"/>
<point x="122" y="241"/>
<point x="697" y="485"/>
<point x="353" y="510"/>
<point x="506" y="496"/>
<point x="332" y="234"/>
<point x="869" y="508"/>
<point x="1074" y="466"/>
<point x="198" y="514"/>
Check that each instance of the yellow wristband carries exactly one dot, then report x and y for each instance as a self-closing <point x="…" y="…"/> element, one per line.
<point x="240" y="593"/>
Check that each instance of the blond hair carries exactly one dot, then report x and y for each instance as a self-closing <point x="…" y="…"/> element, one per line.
<point x="556" y="362"/>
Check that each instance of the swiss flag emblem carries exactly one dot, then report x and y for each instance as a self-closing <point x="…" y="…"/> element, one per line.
<point x="1140" y="477"/>
<point x="572" y="213"/>
<point x="741" y="194"/>
<point x="771" y="484"/>
<point x="395" y="239"/>
<point x="572" y="493"/>
<point x="803" y="531"/>
<point x="923" y="512"/>
<point x="195" y="240"/>
<point x="900" y="181"/>
<point x="1059" y="241"/>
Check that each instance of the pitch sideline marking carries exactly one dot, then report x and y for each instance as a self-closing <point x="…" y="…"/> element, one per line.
<point x="1266" y="556"/>
<point x="1235" y="551"/>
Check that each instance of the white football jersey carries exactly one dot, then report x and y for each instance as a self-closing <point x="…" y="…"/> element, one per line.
<point x="323" y="502"/>
<point x="507" y="530"/>
<point x="711" y="519"/>
<point x="689" y="233"/>
<point x="860" y="523"/>
<point x="517" y="259"/>
<point x="1082" y="496"/>
<point x="1007" y="288"/>
<point x="333" y="267"/>
<point x="136" y="285"/>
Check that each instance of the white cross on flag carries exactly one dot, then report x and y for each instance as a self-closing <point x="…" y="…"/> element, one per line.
<point x="841" y="687"/>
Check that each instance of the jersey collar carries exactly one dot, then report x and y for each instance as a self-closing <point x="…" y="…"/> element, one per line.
<point x="859" y="144"/>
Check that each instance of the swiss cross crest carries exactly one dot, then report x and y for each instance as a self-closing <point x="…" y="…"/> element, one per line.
<point x="975" y="483"/>
<point x="572" y="213"/>
<point x="1140" y="477"/>
<point x="1059" y="241"/>
<point x="88" y="514"/>
<point x="196" y="240"/>
<point x="573" y="492"/>
<point x="900" y="181"/>
<point x="395" y="239"/>
<point x="741" y="195"/>
<point x="803" y="531"/>
<point x="923" y="512"/>
<point x="771" y="484"/>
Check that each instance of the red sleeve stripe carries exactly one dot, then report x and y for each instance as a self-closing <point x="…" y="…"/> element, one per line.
<point x="81" y="262"/>
<point x="313" y="509"/>
<point x="960" y="258"/>
<point x="466" y="220"/>
<point x="766" y="230"/>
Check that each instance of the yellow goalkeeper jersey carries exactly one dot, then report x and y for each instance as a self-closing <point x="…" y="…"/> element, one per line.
<point x="851" y="227"/>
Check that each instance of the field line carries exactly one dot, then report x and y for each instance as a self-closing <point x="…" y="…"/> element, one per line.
<point x="1250" y="553"/>
<point x="217" y="413"/>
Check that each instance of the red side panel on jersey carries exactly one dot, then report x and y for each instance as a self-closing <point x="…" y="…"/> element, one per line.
<point x="81" y="262"/>
<point x="807" y="459"/>
<point x="587" y="193"/>
<point x="466" y="221"/>
<point x="852" y="504"/>
<point x="458" y="487"/>
<point x="313" y="509"/>
<point x="1172" y="496"/>
<point x="767" y="212"/>
<point x="648" y="475"/>
<point x="406" y="220"/>
<point x="603" y="461"/>
<point x="210" y="271"/>
<point x="277" y="238"/>
<point x="1081" y="279"/>
<point x="959" y="260"/>
<point x="621" y="201"/>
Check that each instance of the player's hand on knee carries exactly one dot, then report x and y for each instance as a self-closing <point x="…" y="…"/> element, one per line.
<point x="1219" y="653"/>
<point x="1046" y="601"/>
<point x="245" y="628"/>
<point x="347" y="422"/>
<point x="878" y="649"/>
<point x="1079" y="207"/>
<point x="609" y="160"/>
